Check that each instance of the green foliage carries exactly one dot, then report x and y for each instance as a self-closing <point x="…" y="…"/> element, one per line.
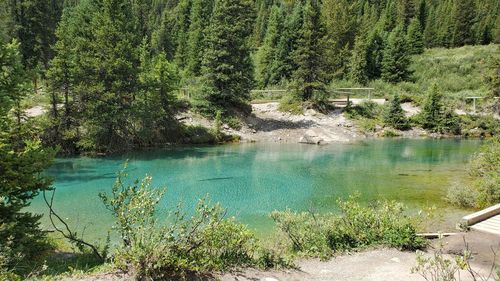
<point x="169" y="249"/>
<point x="217" y="130"/>
<point x="310" y="76"/>
<point x="291" y="104"/>
<point x="22" y="162"/>
<point x="227" y="66"/>
<point x="415" y="38"/>
<point x="356" y="227"/>
<point x="359" y="64"/>
<point x="267" y="52"/>
<point x="394" y="115"/>
<point x="485" y="173"/>
<point x="463" y="17"/>
<point x="366" y="109"/>
<point x="435" y="116"/>
<point x="438" y="267"/>
<point x="396" y="59"/>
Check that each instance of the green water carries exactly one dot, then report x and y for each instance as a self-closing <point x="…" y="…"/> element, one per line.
<point x="251" y="180"/>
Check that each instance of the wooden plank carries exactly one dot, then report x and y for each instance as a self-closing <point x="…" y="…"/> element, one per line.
<point x="482" y="215"/>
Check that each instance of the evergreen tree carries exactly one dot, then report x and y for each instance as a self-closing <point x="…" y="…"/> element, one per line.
<point x="283" y="65"/>
<point x="227" y="65"/>
<point x="406" y="11"/>
<point x="108" y="73"/>
<point x="394" y="115"/>
<point x="310" y="76"/>
<point x="432" y="112"/>
<point x="359" y="65"/>
<point x="267" y="52"/>
<point x="396" y="60"/>
<point x="156" y="104"/>
<point x="340" y="22"/>
<point x="21" y="163"/>
<point x="415" y="38"/>
<point x="430" y="31"/>
<point x="375" y="54"/>
<point x="422" y="14"/>
<point x="389" y="18"/>
<point x="463" y="20"/>
<point x="199" y="19"/>
<point x="181" y="16"/>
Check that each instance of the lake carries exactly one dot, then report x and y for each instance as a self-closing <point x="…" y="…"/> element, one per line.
<point x="251" y="180"/>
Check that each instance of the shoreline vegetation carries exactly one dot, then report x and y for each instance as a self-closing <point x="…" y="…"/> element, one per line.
<point x="103" y="77"/>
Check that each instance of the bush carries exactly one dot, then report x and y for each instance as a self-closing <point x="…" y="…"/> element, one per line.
<point x="291" y="104"/>
<point x="152" y="250"/>
<point x="356" y="227"/>
<point x="366" y="109"/>
<point x="485" y="172"/>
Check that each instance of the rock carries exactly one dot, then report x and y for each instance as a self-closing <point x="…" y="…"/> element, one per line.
<point x="225" y="127"/>
<point x="254" y="131"/>
<point x="307" y="139"/>
<point x="396" y="260"/>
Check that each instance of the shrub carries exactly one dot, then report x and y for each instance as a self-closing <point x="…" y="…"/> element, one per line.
<point x="161" y="250"/>
<point x="366" y="109"/>
<point x="394" y="115"/>
<point x="485" y="172"/>
<point x="291" y="104"/>
<point x="356" y="227"/>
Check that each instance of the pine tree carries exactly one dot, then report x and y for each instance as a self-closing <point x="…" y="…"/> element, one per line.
<point x="432" y="112"/>
<point x="267" y="52"/>
<point x="62" y="77"/>
<point x="463" y="19"/>
<point x="406" y="11"/>
<point x="375" y="54"/>
<point x="338" y="17"/>
<point x="181" y="29"/>
<point x="283" y="65"/>
<point x="199" y="19"/>
<point x="422" y="14"/>
<point x="396" y="60"/>
<point x="227" y="65"/>
<point x="430" y="29"/>
<point x="359" y="65"/>
<point x="22" y="162"/>
<point x="109" y="69"/>
<point x="415" y="38"/>
<point x="156" y="104"/>
<point x="389" y="18"/>
<point x="394" y="115"/>
<point x="310" y="76"/>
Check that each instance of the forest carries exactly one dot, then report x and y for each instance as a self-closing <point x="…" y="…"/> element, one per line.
<point x="111" y="74"/>
<point x="111" y="70"/>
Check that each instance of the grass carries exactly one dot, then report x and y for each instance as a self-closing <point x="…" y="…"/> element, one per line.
<point x="459" y="73"/>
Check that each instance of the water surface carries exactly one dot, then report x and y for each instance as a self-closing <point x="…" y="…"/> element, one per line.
<point x="251" y="180"/>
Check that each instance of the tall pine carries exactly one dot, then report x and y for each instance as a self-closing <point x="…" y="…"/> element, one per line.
<point x="396" y="60"/>
<point x="310" y="76"/>
<point x="227" y="65"/>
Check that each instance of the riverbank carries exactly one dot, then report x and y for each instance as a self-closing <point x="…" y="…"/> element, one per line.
<point x="370" y="265"/>
<point x="268" y="124"/>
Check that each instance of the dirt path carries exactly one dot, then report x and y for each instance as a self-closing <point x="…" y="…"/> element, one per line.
<point x="372" y="265"/>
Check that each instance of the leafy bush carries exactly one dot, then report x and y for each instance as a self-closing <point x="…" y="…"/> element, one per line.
<point x="356" y="227"/>
<point x="366" y="109"/>
<point x="160" y="250"/>
<point x="485" y="172"/>
<point x="291" y="104"/>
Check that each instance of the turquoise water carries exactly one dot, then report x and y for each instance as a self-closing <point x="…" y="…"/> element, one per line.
<point x="251" y="180"/>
